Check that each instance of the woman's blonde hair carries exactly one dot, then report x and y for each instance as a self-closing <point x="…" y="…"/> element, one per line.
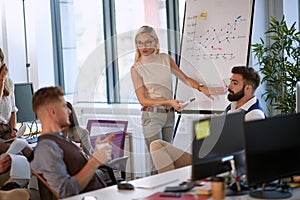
<point x="149" y="30"/>
<point x="1" y="56"/>
<point x="6" y="88"/>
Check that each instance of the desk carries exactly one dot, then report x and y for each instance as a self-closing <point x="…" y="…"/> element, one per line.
<point x="174" y="177"/>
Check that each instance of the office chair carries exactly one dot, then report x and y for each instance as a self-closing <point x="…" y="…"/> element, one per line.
<point x="45" y="190"/>
<point x="103" y="128"/>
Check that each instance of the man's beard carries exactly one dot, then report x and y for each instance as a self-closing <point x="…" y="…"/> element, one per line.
<point x="235" y="96"/>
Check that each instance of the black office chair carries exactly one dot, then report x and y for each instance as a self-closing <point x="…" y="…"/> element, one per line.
<point x="104" y="128"/>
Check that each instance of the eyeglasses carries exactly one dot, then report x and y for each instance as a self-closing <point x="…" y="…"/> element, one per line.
<point x="147" y="43"/>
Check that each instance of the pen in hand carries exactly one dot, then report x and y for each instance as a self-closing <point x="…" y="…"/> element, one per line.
<point x="187" y="102"/>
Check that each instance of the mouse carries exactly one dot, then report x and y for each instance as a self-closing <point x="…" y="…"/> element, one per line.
<point x="125" y="186"/>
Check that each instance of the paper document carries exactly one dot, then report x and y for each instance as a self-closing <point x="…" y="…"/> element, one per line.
<point x="20" y="167"/>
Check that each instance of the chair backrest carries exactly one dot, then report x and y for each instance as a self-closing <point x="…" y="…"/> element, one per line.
<point x="103" y="128"/>
<point x="45" y="190"/>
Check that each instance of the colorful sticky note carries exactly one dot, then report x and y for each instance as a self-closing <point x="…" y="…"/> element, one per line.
<point x="202" y="130"/>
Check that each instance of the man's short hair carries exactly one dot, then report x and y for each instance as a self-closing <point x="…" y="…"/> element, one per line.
<point x="250" y="75"/>
<point x="45" y="95"/>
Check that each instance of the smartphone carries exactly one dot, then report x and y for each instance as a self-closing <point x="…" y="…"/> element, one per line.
<point x="170" y="194"/>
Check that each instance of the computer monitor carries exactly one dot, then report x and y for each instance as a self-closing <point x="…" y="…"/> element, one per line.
<point x="216" y="138"/>
<point x="272" y="149"/>
<point x="23" y="98"/>
<point x="298" y="97"/>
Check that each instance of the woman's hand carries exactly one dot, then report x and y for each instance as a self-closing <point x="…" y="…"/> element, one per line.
<point x="176" y="105"/>
<point x="3" y="71"/>
<point x="208" y="91"/>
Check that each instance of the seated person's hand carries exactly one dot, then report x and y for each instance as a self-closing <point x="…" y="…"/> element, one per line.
<point x="13" y="133"/>
<point x="5" y="163"/>
<point x="102" y="152"/>
<point x="108" y="139"/>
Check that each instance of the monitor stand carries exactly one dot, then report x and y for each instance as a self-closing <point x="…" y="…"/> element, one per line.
<point x="233" y="191"/>
<point x="270" y="194"/>
<point x="237" y="187"/>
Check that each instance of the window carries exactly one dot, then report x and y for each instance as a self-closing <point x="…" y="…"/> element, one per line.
<point x="291" y="12"/>
<point x="87" y="47"/>
<point x="131" y="15"/>
<point x="181" y="14"/>
<point x="83" y="50"/>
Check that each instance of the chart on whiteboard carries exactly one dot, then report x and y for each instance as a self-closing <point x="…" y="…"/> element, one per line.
<point x="215" y="38"/>
<point x="214" y="42"/>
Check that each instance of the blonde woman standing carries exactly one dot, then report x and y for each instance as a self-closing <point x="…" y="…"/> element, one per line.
<point x="152" y="79"/>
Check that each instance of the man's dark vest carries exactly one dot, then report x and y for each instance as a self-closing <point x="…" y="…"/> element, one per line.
<point x="75" y="161"/>
<point x="253" y="107"/>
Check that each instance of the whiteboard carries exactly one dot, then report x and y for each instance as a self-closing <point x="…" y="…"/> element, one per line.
<point x="216" y="37"/>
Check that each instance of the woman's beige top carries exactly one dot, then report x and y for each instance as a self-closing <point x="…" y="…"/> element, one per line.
<point x="156" y="74"/>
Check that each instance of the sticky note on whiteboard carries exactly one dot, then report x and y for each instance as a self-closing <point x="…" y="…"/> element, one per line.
<point x="202" y="16"/>
<point x="202" y="129"/>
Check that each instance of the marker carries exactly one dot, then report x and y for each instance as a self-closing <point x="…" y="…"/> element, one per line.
<point x="187" y="102"/>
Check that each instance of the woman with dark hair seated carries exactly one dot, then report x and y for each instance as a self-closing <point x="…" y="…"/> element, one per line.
<point x="78" y="134"/>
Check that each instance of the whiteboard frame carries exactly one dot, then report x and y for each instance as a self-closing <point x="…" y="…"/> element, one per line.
<point x="210" y="111"/>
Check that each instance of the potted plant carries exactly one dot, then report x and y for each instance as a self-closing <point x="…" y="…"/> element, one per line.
<point x="278" y="61"/>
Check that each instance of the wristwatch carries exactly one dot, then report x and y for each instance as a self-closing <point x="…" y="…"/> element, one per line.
<point x="199" y="86"/>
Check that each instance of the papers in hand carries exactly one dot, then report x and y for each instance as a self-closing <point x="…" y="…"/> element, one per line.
<point x="19" y="165"/>
<point x="21" y="131"/>
<point x="17" y="146"/>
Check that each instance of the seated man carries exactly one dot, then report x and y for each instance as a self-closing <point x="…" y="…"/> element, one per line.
<point x="243" y="83"/>
<point x="58" y="160"/>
